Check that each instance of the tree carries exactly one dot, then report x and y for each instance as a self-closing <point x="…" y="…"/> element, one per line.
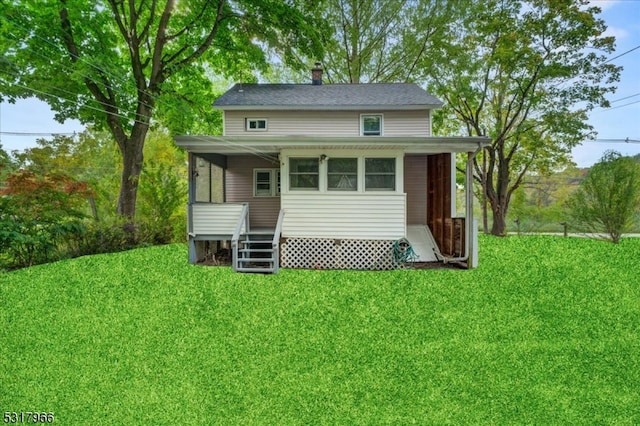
<point x="539" y="204"/>
<point x="523" y="73"/>
<point x="368" y="41"/>
<point x="114" y="63"/>
<point x="38" y="215"/>
<point x="608" y="198"/>
<point x="6" y="165"/>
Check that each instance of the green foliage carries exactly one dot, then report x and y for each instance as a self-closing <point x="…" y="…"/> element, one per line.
<point x="121" y="68"/>
<point x="532" y="62"/>
<point x="608" y="200"/>
<point x="144" y="335"/>
<point x="539" y="204"/>
<point x="380" y="40"/>
<point x="163" y="191"/>
<point x="38" y="215"/>
<point x="6" y="165"/>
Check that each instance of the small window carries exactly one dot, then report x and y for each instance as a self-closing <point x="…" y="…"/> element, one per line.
<point x="266" y="182"/>
<point x="380" y="174"/>
<point x="304" y="174"/>
<point x="371" y="125"/>
<point x="256" y="124"/>
<point x="342" y="174"/>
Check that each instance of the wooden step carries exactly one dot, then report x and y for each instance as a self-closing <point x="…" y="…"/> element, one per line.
<point x="256" y="259"/>
<point x="259" y="270"/>
<point x="256" y="250"/>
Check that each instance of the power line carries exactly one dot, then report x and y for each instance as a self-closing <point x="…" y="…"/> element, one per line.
<point x="626" y="97"/>
<point x="38" y="134"/>
<point x="80" y="58"/>
<point x="622" y="54"/>
<point x="625" y="140"/>
<point x="620" y="106"/>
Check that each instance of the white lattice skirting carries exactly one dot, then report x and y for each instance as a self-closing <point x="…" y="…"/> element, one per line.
<point x="320" y="253"/>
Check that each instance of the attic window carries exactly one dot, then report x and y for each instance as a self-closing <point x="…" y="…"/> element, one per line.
<point x="256" y="124"/>
<point x="371" y="124"/>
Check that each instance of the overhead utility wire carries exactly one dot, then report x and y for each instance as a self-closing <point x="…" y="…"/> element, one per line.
<point x="38" y="134"/>
<point x="622" y="54"/>
<point x="75" y="102"/>
<point x="247" y="148"/>
<point x="620" y="106"/>
<point x="626" y="97"/>
<point x="80" y="58"/>
<point x="93" y="100"/>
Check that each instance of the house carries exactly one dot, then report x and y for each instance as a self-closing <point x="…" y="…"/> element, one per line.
<point x="328" y="176"/>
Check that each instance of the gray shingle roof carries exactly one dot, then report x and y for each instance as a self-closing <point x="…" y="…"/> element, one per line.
<point x="387" y="96"/>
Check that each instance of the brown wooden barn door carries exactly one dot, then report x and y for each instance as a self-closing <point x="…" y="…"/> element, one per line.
<point x="439" y="196"/>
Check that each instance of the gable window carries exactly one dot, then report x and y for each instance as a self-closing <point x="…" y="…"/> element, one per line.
<point x="380" y="174"/>
<point x="342" y="174"/>
<point x="371" y="124"/>
<point x="304" y="174"/>
<point x="256" y="124"/>
<point x="266" y="182"/>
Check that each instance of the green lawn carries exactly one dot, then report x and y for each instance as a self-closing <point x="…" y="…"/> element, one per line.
<point x="546" y="331"/>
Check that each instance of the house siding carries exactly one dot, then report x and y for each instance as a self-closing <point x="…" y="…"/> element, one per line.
<point x="415" y="186"/>
<point x="327" y="123"/>
<point x="355" y="216"/>
<point x="263" y="211"/>
<point x="215" y="219"/>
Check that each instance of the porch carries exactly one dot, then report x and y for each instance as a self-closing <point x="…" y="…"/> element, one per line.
<point x="265" y="250"/>
<point x="322" y="226"/>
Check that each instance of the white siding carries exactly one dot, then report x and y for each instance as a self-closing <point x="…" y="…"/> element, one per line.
<point x="327" y="123"/>
<point x="215" y="219"/>
<point x="363" y="216"/>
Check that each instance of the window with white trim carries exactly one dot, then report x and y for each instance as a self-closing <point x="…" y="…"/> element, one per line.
<point x="266" y="182"/>
<point x="371" y="124"/>
<point x="256" y="124"/>
<point x="380" y="174"/>
<point x="304" y="174"/>
<point x="342" y="174"/>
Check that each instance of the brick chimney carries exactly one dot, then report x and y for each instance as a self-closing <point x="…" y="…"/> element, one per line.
<point x="316" y="74"/>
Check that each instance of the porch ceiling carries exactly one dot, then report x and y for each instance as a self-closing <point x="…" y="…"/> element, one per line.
<point x="261" y="144"/>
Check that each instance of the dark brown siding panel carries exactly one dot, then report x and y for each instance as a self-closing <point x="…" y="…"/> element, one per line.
<point x="438" y="195"/>
<point x="263" y="211"/>
<point x="415" y="186"/>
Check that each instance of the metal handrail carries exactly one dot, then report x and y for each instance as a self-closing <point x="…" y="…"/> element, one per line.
<point x="243" y="219"/>
<point x="275" y="243"/>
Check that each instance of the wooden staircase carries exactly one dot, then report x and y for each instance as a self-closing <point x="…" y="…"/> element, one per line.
<point x="256" y="253"/>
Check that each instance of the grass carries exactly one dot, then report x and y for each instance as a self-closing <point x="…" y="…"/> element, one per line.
<point x="546" y="331"/>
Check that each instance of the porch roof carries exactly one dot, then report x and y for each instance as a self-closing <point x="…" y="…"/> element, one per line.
<point x="273" y="144"/>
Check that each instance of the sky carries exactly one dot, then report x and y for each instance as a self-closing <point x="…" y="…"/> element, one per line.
<point x="27" y="120"/>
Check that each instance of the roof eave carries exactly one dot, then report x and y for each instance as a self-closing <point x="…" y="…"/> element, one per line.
<point x="409" y="144"/>
<point x="403" y="107"/>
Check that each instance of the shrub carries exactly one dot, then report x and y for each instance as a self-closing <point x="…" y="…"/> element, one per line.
<point x="38" y="216"/>
<point x="608" y="198"/>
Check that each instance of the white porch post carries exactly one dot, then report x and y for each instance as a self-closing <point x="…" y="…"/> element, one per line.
<point x="192" y="197"/>
<point x="471" y="234"/>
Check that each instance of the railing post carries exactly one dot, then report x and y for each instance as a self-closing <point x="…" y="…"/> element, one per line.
<point x="244" y="218"/>
<point x="275" y="243"/>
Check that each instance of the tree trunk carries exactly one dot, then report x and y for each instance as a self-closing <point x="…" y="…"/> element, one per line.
<point x="485" y="220"/>
<point x="499" y="226"/>
<point x="132" y="159"/>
